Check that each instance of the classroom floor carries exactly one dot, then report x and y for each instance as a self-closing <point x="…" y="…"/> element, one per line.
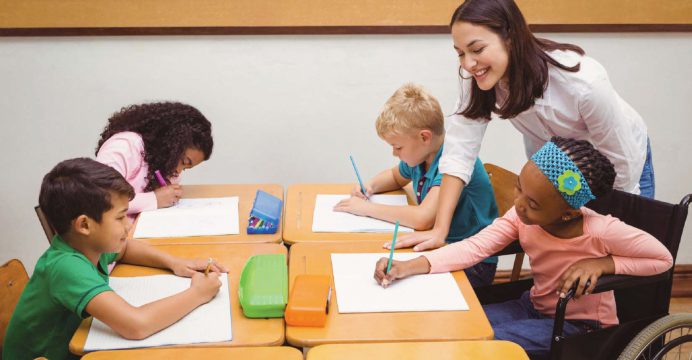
<point x="682" y="305"/>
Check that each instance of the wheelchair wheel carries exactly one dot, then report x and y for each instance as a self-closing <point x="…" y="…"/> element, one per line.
<point x="669" y="337"/>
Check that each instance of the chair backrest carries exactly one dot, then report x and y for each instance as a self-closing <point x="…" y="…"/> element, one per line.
<point x="47" y="228"/>
<point x="503" y="182"/>
<point x="13" y="279"/>
<point x="662" y="220"/>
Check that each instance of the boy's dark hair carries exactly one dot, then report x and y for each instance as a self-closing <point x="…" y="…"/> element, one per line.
<point x="527" y="70"/>
<point x="597" y="169"/>
<point x="167" y="130"/>
<point x="80" y="186"/>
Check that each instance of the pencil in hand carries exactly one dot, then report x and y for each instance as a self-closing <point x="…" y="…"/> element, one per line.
<point x="206" y="271"/>
<point x="385" y="282"/>
<point x="360" y="181"/>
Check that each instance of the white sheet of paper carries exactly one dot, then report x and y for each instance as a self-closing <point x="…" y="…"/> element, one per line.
<point x="191" y="217"/>
<point x="325" y="219"/>
<point x="358" y="292"/>
<point x="210" y="322"/>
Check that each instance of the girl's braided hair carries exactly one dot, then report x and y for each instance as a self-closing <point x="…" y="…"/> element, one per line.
<point x="598" y="171"/>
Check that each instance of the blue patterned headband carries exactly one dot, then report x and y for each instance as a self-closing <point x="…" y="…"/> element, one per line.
<point x="564" y="174"/>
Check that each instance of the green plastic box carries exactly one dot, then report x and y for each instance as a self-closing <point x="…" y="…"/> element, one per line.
<point x="263" y="288"/>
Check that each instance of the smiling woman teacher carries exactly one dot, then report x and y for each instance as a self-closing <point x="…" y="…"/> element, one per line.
<point x="544" y="89"/>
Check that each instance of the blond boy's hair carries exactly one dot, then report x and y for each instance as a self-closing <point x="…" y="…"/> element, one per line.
<point x="410" y="108"/>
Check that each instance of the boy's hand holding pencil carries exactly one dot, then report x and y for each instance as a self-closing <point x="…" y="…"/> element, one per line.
<point x="357" y="192"/>
<point x="206" y="271"/>
<point x="188" y="267"/>
<point x="207" y="283"/>
<point x="205" y="286"/>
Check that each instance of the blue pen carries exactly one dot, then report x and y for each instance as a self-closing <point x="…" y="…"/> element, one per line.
<point x="362" y="188"/>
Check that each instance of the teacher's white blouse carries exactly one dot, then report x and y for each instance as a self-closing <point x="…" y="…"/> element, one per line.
<point x="581" y="105"/>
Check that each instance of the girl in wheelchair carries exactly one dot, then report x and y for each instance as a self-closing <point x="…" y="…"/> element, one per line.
<point x="565" y="243"/>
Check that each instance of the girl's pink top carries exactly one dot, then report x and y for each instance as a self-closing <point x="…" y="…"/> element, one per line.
<point x="634" y="252"/>
<point x="124" y="152"/>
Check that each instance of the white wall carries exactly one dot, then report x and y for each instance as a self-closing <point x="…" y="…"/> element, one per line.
<point x="286" y="109"/>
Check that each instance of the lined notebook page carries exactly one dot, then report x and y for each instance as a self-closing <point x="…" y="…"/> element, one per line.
<point x="210" y="322"/>
<point x="358" y="292"/>
<point x="325" y="219"/>
<point x="191" y="217"/>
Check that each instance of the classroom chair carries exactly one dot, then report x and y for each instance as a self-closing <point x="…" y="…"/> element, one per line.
<point x="641" y="300"/>
<point x="503" y="182"/>
<point x="47" y="228"/>
<point x="13" y="279"/>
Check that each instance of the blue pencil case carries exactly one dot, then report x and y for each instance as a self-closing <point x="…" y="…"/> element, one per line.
<point x="265" y="214"/>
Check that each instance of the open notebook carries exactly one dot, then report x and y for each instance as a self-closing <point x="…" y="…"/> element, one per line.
<point x="325" y="219"/>
<point x="358" y="292"/>
<point x="191" y="217"/>
<point x="210" y="322"/>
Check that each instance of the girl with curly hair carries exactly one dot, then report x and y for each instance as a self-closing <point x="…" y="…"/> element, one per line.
<point x="166" y="136"/>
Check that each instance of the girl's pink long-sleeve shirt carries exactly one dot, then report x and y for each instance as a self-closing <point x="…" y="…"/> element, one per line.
<point x="634" y="252"/>
<point x="124" y="152"/>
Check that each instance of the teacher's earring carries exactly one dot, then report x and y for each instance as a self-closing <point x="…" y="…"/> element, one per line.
<point x="461" y="74"/>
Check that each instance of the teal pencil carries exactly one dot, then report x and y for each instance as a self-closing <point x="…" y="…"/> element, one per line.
<point x="391" y="250"/>
<point x="360" y="181"/>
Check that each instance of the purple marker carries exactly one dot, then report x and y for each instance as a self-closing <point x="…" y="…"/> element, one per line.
<point x="162" y="182"/>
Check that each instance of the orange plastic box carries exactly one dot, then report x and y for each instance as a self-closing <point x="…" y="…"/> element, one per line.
<point x="309" y="301"/>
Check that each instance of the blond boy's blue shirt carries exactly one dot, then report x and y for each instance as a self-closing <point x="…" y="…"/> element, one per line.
<point x="54" y="302"/>
<point x="476" y="207"/>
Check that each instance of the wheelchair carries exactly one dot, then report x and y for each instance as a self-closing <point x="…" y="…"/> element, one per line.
<point x="646" y="330"/>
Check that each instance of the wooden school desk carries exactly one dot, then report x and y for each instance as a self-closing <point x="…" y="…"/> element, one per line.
<point x="246" y="197"/>
<point x="315" y="258"/>
<point x="452" y="350"/>
<point x="246" y="331"/>
<point x="254" y="353"/>
<point x="300" y="206"/>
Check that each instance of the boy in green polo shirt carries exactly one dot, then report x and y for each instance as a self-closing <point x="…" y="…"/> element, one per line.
<point x="86" y="203"/>
<point x="413" y="124"/>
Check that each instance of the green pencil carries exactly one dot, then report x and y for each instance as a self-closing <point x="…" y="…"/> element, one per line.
<point x="391" y="250"/>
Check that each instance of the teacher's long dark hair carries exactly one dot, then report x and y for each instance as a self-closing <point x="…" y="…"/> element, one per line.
<point x="167" y="129"/>
<point x="527" y="70"/>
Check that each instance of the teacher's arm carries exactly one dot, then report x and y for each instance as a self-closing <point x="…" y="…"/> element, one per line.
<point x="462" y="144"/>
